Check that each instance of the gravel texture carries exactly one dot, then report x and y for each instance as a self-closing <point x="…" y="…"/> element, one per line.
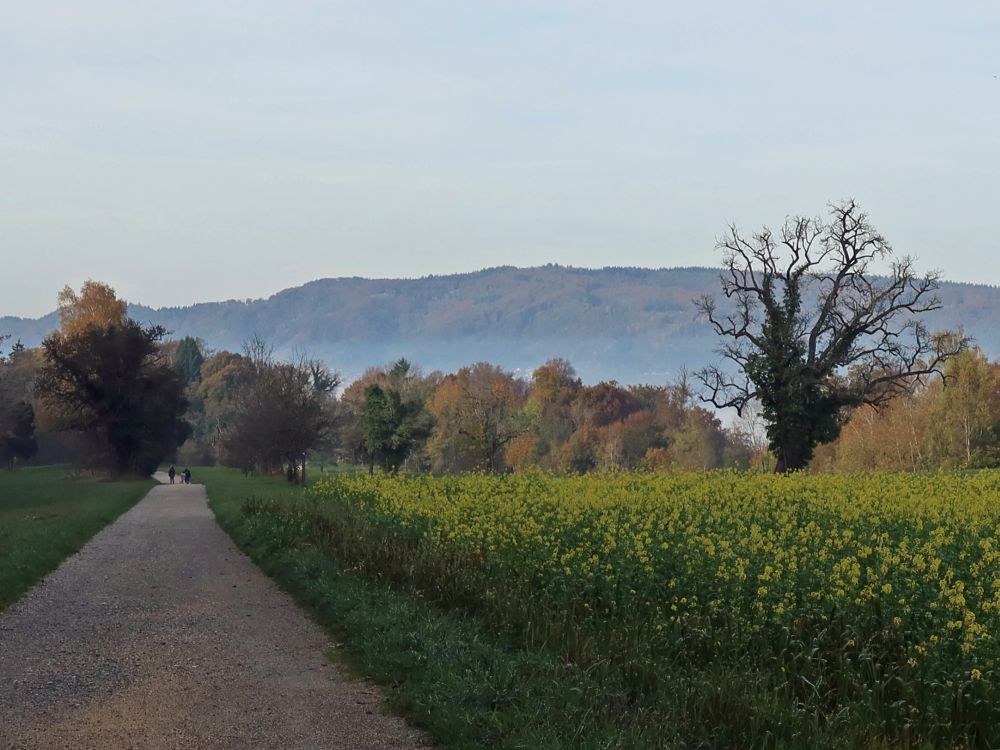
<point x="160" y="633"/>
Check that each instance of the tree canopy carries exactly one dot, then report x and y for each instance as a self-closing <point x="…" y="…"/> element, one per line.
<point x="103" y="376"/>
<point x="811" y="328"/>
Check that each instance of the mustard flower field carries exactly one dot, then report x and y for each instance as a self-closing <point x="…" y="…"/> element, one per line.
<point x="853" y="610"/>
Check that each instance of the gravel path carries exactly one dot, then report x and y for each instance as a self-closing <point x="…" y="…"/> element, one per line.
<point x="161" y="634"/>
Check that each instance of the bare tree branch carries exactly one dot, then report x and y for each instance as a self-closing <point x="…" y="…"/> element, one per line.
<point x="812" y="327"/>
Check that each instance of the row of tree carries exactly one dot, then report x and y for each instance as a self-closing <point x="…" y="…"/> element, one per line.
<point x="814" y="341"/>
<point x="485" y="418"/>
<point x="820" y="326"/>
<point x="250" y="411"/>
<point x="109" y="378"/>
<point x="949" y="422"/>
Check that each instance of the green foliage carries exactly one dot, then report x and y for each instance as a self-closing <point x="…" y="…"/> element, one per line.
<point x="394" y="420"/>
<point x="796" y="402"/>
<point x="17" y="433"/>
<point x="276" y="412"/>
<point x="386" y="440"/>
<point x="188" y="360"/>
<point x="45" y="516"/>
<point x="861" y="341"/>
<point x="109" y="382"/>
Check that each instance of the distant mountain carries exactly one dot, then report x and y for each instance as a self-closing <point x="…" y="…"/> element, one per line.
<point x="629" y="324"/>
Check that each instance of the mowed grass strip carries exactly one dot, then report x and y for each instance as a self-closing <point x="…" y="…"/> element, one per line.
<point x="47" y="515"/>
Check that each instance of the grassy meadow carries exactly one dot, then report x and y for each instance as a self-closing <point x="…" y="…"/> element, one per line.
<point x="645" y="610"/>
<point x="47" y="515"/>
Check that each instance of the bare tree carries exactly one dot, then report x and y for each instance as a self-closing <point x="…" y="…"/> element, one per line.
<point x="810" y="329"/>
<point x="281" y="411"/>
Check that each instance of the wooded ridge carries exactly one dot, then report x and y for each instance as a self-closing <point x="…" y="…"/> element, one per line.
<point x="629" y="324"/>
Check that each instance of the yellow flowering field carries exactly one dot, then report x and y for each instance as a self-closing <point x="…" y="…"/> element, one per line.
<point x="866" y="600"/>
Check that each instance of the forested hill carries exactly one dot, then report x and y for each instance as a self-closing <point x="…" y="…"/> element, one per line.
<point x="628" y="324"/>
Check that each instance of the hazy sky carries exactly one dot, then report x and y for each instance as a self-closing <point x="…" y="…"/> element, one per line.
<point x="198" y="150"/>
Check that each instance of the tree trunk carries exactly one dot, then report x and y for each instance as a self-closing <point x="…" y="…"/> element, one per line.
<point x="792" y="457"/>
<point x="780" y="465"/>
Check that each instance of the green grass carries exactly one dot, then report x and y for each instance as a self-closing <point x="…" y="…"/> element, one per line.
<point x="46" y="516"/>
<point x="464" y="680"/>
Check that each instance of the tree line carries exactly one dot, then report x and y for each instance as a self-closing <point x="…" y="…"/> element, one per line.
<point x="820" y="355"/>
<point x="950" y="422"/>
<point x="114" y="395"/>
<point x="261" y="415"/>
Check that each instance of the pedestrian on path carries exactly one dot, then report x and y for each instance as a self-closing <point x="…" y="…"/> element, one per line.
<point x="187" y="476"/>
<point x="171" y="472"/>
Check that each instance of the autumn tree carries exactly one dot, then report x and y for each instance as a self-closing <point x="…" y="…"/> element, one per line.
<point x="627" y="443"/>
<point x="213" y="405"/>
<point x="582" y="452"/>
<point x="965" y="411"/>
<point x="810" y="330"/>
<point x="478" y="413"/>
<point x="96" y="304"/>
<point x="280" y="412"/>
<point x="412" y="421"/>
<point x="104" y="377"/>
<point x="605" y="403"/>
<point x="891" y="438"/>
<point x="697" y="444"/>
<point x="952" y="421"/>
<point x="549" y="409"/>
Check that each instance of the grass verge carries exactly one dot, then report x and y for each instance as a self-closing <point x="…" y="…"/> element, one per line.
<point x="46" y="516"/>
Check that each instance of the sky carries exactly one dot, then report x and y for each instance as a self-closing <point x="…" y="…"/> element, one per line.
<point x="201" y="150"/>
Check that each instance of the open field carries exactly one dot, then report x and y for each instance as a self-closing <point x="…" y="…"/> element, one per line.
<point x="718" y="610"/>
<point x="444" y="669"/>
<point x="45" y="516"/>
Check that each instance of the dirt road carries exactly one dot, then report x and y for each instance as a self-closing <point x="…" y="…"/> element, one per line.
<point x="161" y="634"/>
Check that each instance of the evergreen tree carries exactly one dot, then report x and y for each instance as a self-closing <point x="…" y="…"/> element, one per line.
<point x="383" y="426"/>
<point x="17" y="438"/>
<point x="189" y="360"/>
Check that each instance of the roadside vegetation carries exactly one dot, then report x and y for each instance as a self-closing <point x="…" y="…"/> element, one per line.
<point x="46" y="515"/>
<point x="719" y="610"/>
<point x="446" y="670"/>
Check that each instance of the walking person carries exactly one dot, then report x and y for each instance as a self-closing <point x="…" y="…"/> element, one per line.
<point x="171" y="472"/>
<point x="187" y="476"/>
